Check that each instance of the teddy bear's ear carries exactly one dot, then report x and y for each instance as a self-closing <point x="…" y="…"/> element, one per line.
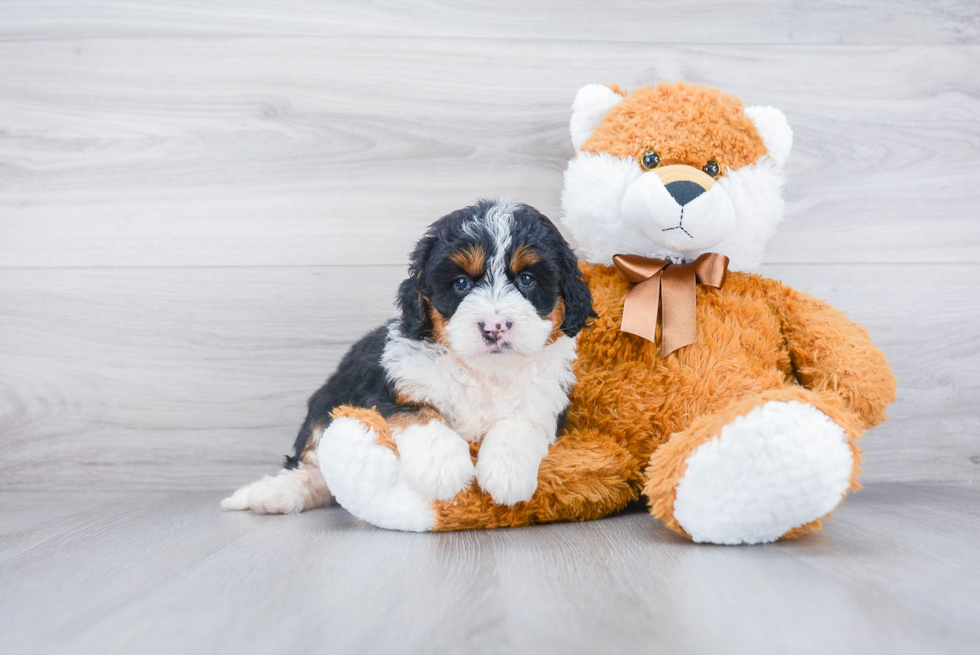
<point x="774" y="130"/>
<point x="592" y="103"/>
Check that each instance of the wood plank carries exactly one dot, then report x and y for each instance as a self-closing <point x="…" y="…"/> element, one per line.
<point x="162" y="368"/>
<point x="197" y="378"/>
<point x="897" y="570"/>
<point x="303" y="151"/>
<point x="697" y="21"/>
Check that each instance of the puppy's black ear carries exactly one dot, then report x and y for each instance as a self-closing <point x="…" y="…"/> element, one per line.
<point x="416" y="322"/>
<point x="575" y="292"/>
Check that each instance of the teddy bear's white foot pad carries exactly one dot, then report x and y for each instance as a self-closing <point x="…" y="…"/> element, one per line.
<point x="365" y="479"/>
<point x="782" y="465"/>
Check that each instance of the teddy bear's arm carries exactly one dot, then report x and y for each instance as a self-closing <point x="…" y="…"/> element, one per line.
<point x="831" y="353"/>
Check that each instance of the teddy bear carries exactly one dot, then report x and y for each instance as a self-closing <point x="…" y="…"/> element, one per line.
<point x="728" y="400"/>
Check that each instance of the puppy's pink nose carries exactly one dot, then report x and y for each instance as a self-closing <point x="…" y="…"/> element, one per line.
<point x="494" y="328"/>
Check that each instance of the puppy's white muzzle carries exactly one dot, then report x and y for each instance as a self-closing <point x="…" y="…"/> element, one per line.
<point x="679" y="207"/>
<point x="497" y="319"/>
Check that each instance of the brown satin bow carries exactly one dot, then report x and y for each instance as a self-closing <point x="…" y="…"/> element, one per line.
<point x="656" y="282"/>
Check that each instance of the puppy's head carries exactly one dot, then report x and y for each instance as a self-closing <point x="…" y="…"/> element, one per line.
<point x="495" y="278"/>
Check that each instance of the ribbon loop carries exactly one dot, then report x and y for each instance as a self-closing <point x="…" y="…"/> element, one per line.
<point x="657" y="282"/>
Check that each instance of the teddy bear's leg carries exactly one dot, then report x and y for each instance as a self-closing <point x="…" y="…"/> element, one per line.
<point x="768" y="466"/>
<point x="583" y="476"/>
<point x="359" y="460"/>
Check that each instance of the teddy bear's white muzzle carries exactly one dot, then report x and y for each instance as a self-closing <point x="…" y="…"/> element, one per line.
<point x="680" y="208"/>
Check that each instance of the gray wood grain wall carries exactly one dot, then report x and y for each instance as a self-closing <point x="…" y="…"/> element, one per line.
<point x="202" y="204"/>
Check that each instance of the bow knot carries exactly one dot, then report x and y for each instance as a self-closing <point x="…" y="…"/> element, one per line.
<point x="657" y="282"/>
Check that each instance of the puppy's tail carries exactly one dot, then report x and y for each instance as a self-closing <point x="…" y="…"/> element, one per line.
<point x="289" y="492"/>
<point x="299" y="486"/>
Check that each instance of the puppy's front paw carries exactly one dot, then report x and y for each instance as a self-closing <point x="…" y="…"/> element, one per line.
<point x="507" y="467"/>
<point x="435" y="460"/>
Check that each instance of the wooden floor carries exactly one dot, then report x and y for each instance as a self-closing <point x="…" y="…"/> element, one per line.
<point x="896" y="571"/>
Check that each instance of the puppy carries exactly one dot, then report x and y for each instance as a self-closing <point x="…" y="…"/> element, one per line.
<point x="482" y="352"/>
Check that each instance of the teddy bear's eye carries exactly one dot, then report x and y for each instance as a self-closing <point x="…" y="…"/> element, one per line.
<point x="650" y="160"/>
<point x="712" y="168"/>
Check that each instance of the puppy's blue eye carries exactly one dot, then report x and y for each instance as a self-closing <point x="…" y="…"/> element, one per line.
<point x="461" y="284"/>
<point x="525" y="281"/>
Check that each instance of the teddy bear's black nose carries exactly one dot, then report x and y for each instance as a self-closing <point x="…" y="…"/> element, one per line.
<point x="683" y="191"/>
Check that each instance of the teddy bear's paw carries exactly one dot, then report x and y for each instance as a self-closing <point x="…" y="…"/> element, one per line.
<point x="781" y="466"/>
<point x="435" y="461"/>
<point x="366" y="480"/>
<point x="511" y="453"/>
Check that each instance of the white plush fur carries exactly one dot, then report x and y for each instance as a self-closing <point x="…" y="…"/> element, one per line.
<point x="366" y="479"/>
<point x="774" y="130"/>
<point x="507" y="467"/>
<point x="702" y="223"/>
<point x="592" y="103"/>
<point x="780" y="466"/>
<point x="435" y="461"/>
<point x="290" y="492"/>
<point x="596" y="186"/>
<point x="756" y="192"/>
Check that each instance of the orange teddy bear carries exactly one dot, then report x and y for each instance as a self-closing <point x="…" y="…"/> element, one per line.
<point x="732" y="402"/>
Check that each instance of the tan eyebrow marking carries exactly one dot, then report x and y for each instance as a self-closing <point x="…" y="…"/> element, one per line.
<point x="471" y="259"/>
<point x="522" y="258"/>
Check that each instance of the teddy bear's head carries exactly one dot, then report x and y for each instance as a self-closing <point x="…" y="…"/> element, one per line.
<point x="674" y="171"/>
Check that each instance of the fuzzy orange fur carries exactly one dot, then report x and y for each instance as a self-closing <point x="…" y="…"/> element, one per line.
<point x="683" y="123"/>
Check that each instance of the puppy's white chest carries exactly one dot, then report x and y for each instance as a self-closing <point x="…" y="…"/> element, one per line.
<point x="475" y="402"/>
<point x="473" y="396"/>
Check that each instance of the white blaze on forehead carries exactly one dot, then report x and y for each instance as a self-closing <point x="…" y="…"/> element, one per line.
<point x="497" y="221"/>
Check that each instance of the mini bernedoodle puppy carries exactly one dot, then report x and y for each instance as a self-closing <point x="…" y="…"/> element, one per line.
<point x="482" y="353"/>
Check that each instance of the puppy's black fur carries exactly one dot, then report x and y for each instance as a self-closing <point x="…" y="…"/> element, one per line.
<point x="360" y="379"/>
